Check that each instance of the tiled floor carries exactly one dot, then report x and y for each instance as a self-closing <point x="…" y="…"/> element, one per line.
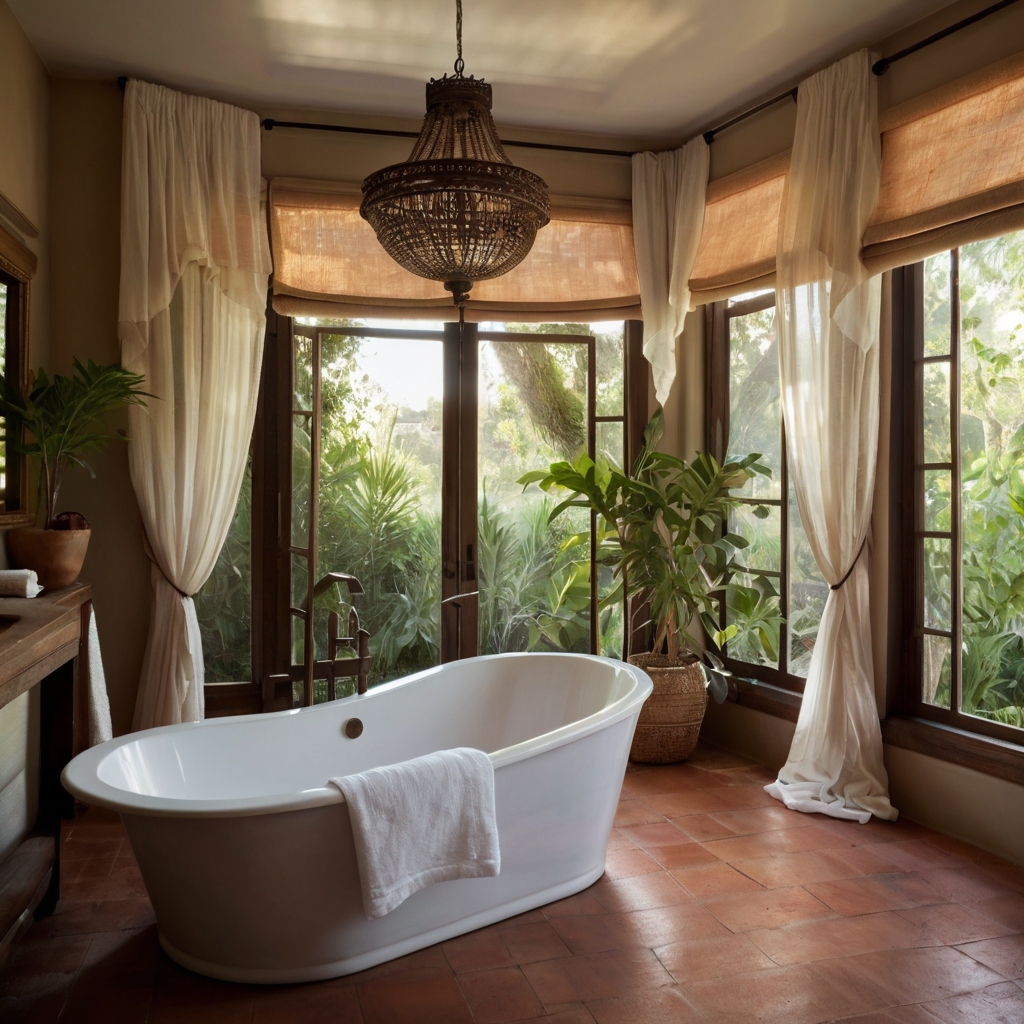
<point x="719" y="905"/>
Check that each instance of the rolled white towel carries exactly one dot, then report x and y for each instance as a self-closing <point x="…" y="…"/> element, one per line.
<point x="19" y="583"/>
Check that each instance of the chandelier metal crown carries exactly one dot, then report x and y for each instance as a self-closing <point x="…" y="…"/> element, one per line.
<point x="458" y="210"/>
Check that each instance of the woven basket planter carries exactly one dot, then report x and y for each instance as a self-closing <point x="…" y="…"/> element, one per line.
<point x="670" y="720"/>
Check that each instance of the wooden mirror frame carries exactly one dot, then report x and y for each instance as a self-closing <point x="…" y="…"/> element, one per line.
<point x="18" y="266"/>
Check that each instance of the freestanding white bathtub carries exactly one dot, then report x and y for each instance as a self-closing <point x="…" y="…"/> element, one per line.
<point x="247" y="852"/>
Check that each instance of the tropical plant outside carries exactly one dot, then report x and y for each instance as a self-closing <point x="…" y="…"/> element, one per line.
<point x="380" y="507"/>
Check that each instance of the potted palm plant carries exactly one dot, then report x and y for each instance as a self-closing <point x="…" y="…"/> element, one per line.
<point x="666" y="519"/>
<point x="58" y="421"/>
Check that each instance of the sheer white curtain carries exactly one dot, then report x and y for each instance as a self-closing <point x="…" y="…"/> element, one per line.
<point x="668" y="214"/>
<point x="828" y="311"/>
<point x="194" y="269"/>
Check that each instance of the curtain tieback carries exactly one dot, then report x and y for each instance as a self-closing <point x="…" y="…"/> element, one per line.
<point x="836" y="586"/>
<point x="149" y="554"/>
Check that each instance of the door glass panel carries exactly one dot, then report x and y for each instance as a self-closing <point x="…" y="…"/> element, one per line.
<point x="763" y="536"/>
<point x="743" y="605"/>
<point x="992" y="489"/>
<point x="609" y="347"/>
<point x="936" y="412"/>
<point x="936" y="670"/>
<point x="608" y="441"/>
<point x="380" y="498"/>
<point x="937" y="584"/>
<point x="534" y="575"/>
<point x="936" y="305"/>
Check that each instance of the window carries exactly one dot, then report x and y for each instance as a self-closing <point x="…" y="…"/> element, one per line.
<point x="963" y="437"/>
<point x="13" y="367"/>
<point x="391" y="451"/>
<point x="744" y="417"/>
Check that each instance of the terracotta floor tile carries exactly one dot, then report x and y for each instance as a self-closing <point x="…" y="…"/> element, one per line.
<point x="323" y="1003"/>
<point x="650" y="928"/>
<point x="919" y="855"/>
<point x="780" y="870"/>
<point x="767" y="908"/>
<point x="966" y="884"/>
<point x="875" y="830"/>
<point x="74" y="849"/>
<point x="707" y="880"/>
<point x="661" y="833"/>
<point x="477" y="951"/>
<point x="180" y="995"/>
<point x="1005" y="954"/>
<point x="597" y="976"/>
<point x="670" y="779"/>
<point x="839" y="936"/>
<point x="1008" y="910"/>
<point x="635" y="812"/>
<point x="97" y="916"/>
<point x="871" y="894"/>
<point x="748" y="775"/>
<point x="920" y="975"/>
<point x="916" y="1014"/>
<point x="712" y="758"/>
<point x="39" y="967"/>
<point x="715" y="957"/>
<point x="499" y="995"/>
<point x="578" y="1014"/>
<point x="581" y="903"/>
<point x="697" y="801"/>
<point x="684" y="856"/>
<point x="420" y="996"/>
<point x="430" y="959"/>
<point x="527" y="943"/>
<point x="998" y="1004"/>
<point x="662" y="1006"/>
<point x="617" y="841"/>
<point x="765" y="844"/>
<point x="952" y="924"/>
<point x="705" y="828"/>
<point x="644" y="892"/>
<point x="784" y="995"/>
<point x="625" y="863"/>
<point x="763" y="819"/>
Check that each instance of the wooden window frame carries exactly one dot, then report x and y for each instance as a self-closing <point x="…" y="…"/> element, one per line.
<point x="272" y="673"/>
<point x="946" y="733"/>
<point x="774" y="690"/>
<point x="17" y="267"/>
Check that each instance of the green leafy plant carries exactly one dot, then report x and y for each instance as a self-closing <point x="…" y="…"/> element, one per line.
<point x="667" y="518"/>
<point x="63" y="417"/>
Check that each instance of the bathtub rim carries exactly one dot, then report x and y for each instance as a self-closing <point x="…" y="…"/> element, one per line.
<point x="81" y="775"/>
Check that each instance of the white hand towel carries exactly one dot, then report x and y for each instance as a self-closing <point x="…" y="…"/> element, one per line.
<point x="422" y="821"/>
<point x="99" y="703"/>
<point x="19" y="583"/>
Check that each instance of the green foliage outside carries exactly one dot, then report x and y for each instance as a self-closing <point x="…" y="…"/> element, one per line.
<point x="992" y="461"/>
<point x="380" y="511"/>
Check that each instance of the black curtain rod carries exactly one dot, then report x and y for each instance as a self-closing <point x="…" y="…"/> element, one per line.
<point x="879" y="68"/>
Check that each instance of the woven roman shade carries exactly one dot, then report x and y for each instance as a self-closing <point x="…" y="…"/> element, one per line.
<point x="952" y="167"/>
<point x="952" y="173"/>
<point x="328" y="263"/>
<point x="741" y="227"/>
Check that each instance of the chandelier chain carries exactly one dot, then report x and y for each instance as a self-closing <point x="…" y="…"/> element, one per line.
<point x="460" y="64"/>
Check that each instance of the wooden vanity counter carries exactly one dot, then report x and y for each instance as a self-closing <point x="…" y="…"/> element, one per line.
<point x="44" y="643"/>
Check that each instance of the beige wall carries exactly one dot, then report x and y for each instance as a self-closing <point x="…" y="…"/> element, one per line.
<point x="85" y="196"/>
<point x="23" y="160"/>
<point x="956" y="800"/>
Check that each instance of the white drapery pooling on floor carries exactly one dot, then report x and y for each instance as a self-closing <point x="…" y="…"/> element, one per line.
<point x="668" y="215"/>
<point x="828" y="319"/>
<point x="194" y="269"/>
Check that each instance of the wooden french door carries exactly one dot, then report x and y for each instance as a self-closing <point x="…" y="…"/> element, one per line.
<point x="297" y="656"/>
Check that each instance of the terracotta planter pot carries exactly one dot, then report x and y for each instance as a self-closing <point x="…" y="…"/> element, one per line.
<point x="670" y="721"/>
<point x="55" y="555"/>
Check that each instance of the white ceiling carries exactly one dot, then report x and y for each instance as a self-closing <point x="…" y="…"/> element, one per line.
<point x="633" y="67"/>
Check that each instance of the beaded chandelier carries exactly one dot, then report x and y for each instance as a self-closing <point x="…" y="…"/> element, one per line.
<point x="458" y="210"/>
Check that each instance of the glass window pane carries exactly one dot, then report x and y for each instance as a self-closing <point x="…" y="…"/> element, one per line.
<point x="745" y="606"/>
<point x="303" y="352"/>
<point x="936" y="670"/>
<point x="937" y="484"/>
<point x="808" y="593"/>
<point x="992" y="496"/>
<point x="754" y="424"/>
<point x="301" y="442"/>
<point x="936" y="305"/>
<point x="936" y="412"/>
<point x="608" y="441"/>
<point x="224" y="604"/>
<point x="534" y="574"/>
<point x="764" y="536"/>
<point x="609" y="351"/>
<point x="937" y="603"/>
<point x="380" y="497"/>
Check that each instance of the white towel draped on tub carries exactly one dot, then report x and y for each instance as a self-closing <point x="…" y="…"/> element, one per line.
<point x="423" y="821"/>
